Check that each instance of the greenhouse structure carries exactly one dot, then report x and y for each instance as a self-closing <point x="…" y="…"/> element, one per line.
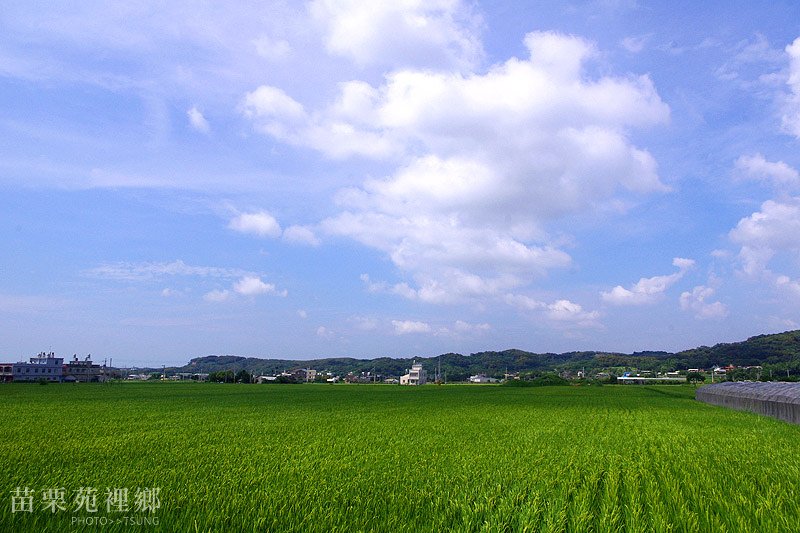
<point x="776" y="399"/>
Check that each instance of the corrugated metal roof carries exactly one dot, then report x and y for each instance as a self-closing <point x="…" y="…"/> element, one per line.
<point x="778" y="391"/>
<point x="776" y="399"/>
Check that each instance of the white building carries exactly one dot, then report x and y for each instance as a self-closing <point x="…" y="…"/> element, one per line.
<point x="482" y="378"/>
<point x="44" y="366"/>
<point x="416" y="376"/>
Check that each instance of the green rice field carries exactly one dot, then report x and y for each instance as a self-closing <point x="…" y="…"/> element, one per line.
<point x="387" y="458"/>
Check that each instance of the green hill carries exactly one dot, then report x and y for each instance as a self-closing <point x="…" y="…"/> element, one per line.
<point x="777" y="352"/>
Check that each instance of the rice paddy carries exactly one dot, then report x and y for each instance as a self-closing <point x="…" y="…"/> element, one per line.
<point x="386" y="458"/>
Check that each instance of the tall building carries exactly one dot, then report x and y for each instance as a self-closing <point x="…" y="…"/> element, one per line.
<point x="415" y="376"/>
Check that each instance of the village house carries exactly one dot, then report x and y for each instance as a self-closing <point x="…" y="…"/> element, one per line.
<point x="6" y="372"/>
<point x="415" y="376"/>
<point x="84" y="371"/>
<point x="482" y="378"/>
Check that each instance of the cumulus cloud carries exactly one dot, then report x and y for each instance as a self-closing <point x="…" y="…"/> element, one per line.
<point x="259" y="223"/>
<point x="560" y="311"/>
<point x="422" y="33"/>
<point x="758" y="168"/>
<point x="571" y="312"/>
<point x="647" y="290"/>
<point x="253" y="286"/>
<point x="765" y="233"/>
<point x="277" y="114"/>
<point x="698" y="302"/>
<point x="483" y="161"/>
<point x="403" y="327"/>
<point x="791" y="115"/>
<point x="198" y="121"/>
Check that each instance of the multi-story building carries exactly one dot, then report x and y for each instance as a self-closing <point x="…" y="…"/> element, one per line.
<point x="45" y="366"/>
<point x="415" y="376"/>
<point x="6" y="372"/>
<point x="84" y="371"/>
<point x="304" y="374"/>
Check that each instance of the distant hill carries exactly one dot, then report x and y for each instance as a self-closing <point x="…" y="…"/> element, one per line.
<point x="777" y="351"/>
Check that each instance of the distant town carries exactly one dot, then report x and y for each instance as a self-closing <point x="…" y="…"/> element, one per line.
<point x="47" y="367"/>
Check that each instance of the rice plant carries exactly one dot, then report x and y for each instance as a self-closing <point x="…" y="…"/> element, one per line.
<point x="384" y="458"/>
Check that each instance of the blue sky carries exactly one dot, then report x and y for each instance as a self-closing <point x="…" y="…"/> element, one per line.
<point x="344" y="178"/>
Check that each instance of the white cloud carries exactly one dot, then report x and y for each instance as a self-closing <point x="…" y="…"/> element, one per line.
<point x="198" y="121"/>
<point x="275" y="112"/>
<point x="697" y="301"/>
<point x="420" y="33"/>
<point x="465" y="327"/>
<point x="647" y="290"/>
<point x="571" y="312"/>
<point x="773" y="229"/>
<point x="217" y="295"/>
<point x="260" y="223"/>
<point x="248" y="284"/>
<point x="525" y="303"/>
<point x="791" y="116"/>
<point x="169" y="293"/>
<point x="177" y="48"/>
<point x="487" y="160"/>
<point x="758" y="168"/>
<point x="403" y="327"/>
<point x="123" y="271"/>
<point x="302" y="313"/>
<point x="560" y="311"/>
<point x="252" y="286"/>
<point x="300" y="235"/>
